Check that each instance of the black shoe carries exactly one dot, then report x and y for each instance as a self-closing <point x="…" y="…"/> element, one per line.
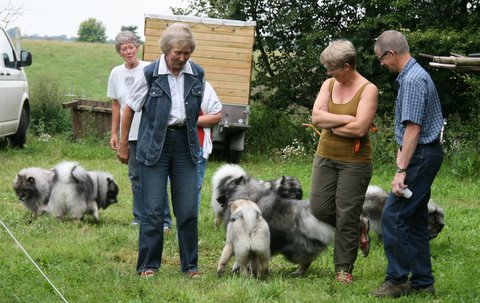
<point x="389" y="289"/>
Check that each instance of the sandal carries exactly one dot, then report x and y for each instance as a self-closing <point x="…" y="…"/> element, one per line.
<point x="194" y="275"/>
<point x="344" y="277"/>
<point x="147" y="273"/>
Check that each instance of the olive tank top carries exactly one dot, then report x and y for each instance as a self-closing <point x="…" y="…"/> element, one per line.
<point x="340" y="148"/>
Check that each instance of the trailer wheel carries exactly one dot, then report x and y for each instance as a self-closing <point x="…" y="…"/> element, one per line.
<point x="234" y="156"/>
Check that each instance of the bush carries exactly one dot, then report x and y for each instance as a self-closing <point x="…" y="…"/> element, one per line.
<point x="47" y="115"/>
<point x="281" y="136"/>
<point x="279" y="133"/>
<point x="462" y="146"/>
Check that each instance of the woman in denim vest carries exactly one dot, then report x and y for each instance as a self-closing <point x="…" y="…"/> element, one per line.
<point x="169" y="96"/>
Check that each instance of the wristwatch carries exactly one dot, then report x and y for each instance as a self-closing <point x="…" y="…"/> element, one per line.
<point x="401" y="170"/>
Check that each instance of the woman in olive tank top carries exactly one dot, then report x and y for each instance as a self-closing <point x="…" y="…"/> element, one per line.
<point x="344" y="109"/>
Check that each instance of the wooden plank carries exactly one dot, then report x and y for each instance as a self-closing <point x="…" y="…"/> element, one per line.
<point x="221" y="46"/>
<point x="213" y="36"/>
<point x="161" y="25"/>
<point x="151" y="55"/>
<point x="232" y="78"/>
<point x="228" y="84"/>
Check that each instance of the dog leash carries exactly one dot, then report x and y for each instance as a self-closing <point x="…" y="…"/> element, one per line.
<point x="30" y="258"/>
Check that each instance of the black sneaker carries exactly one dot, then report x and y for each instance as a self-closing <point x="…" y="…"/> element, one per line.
<point x="389" y="289"/>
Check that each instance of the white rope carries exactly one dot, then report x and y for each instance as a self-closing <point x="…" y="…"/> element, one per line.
<point x="30" y="258"/>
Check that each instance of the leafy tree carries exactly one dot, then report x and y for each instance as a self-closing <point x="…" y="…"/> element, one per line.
<point x="91" y="30"/>
<point x="291" y="34"/>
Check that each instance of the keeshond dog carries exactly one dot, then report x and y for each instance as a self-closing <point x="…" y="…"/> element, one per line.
<point x="375" y="199"/>
<point x="32" y="186"/>
<point x="224" y="174"/>
<point x="105" y="191"/>
<point x="76" y="192"/>
<point x="65" y="190"/>
<point x="294" y="231"/>
<point x="248" y="237"/>
<point x="286" y="187"/>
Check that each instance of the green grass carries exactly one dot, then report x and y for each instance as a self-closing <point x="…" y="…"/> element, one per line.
<point x="80" y="68"/>
<point x="96" y="263"/>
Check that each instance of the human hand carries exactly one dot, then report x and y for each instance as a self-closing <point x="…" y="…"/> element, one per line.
<point x="113" y="143"/>
<point x="122" y="153"/>
<point x="398" y="184"/>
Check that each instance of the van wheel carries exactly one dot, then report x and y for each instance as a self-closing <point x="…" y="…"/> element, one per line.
<point x="19" y="139"/>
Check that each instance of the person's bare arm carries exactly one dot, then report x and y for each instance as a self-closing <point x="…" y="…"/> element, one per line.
<point x="209" y="120"/>
<point x="404" y="156"/>
<point x="122" y="151"/>
<point x="360" y="125"/>
<point x="320" y="115"/>
<point x="115" y="124"/>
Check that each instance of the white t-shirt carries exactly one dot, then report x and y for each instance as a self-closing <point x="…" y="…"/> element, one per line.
<point x="210" y="105"/>
<point x="119" y="85"/>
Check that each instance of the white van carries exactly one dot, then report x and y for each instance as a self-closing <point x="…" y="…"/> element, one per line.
<point x="14" y="100"/>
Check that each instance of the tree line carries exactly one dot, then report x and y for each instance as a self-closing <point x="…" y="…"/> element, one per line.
<point x="290" y="35"/>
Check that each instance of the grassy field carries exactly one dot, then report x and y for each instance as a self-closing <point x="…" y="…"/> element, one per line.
<point x="96" y="263"/>
<point x="81" y="69"/>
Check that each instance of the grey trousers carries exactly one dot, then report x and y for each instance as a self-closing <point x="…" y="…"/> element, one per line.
<point x="336" y="196"/>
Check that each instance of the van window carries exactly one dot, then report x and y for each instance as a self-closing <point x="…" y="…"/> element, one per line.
<point x="6" y="51"/>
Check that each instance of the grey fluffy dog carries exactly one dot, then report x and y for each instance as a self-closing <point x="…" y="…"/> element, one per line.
<point x="32" y="186"/>
<point x="375" y="199"/>
<point x="248" y="237"/>
<point x="294" y="231"/>
<point x="286" y="187"/>
<point x="65" y="190"/>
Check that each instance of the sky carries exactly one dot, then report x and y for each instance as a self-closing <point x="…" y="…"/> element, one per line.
<point x="63" y="17"/>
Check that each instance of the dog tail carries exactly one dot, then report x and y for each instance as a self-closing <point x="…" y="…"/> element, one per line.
<point x="221" y="176"/>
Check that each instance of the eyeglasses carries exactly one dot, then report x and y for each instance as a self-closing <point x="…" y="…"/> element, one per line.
<point x="332" y="69"/>
<point x="384" y="54"/>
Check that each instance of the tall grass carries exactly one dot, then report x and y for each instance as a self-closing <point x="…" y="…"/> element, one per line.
<point x="96" y="263"/>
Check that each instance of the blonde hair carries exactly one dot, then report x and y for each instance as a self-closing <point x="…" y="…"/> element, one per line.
<point x="177" y="33"/>
<point x="337" y="53"/>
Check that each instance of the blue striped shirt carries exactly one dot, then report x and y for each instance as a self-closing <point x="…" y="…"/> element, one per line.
<point x="417" y="102"/>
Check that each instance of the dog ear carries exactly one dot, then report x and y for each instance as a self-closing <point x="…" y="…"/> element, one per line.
<point x="239" y="180"/>
<point x="31" y="180"/>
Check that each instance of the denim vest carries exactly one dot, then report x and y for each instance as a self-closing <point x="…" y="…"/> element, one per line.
<point x="155" y="112"/>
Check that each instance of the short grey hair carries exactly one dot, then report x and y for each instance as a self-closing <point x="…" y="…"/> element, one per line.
<point x="392" y="40"/>
<point x="177" y="33"/>
<point x="339" y="52"/>
<point x="125" y="37"/>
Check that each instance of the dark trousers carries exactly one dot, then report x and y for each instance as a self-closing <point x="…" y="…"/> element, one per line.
<point x="405" y="221"/>
<point x="337" y="196"/>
